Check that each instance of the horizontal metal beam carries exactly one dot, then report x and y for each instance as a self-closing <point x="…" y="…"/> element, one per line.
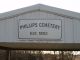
<point x="41" y="46"/>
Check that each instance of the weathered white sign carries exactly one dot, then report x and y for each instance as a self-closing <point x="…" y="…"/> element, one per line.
<point x="40" y="29"/>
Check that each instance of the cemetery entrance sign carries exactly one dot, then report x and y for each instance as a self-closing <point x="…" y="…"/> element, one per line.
<point x="40" y="29"/>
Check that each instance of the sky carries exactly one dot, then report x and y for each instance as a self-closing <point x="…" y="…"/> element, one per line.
<point x="8" y="5"/>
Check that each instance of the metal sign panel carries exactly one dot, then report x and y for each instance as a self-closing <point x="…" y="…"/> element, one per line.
<point x="40" y="29"/>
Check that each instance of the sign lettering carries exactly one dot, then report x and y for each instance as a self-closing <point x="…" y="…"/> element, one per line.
<point x="44" y="29"/>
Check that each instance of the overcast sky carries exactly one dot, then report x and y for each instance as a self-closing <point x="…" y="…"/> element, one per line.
<point x="8" y="5"/>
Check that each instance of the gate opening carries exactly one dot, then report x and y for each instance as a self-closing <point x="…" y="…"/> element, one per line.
<point x="38" y="55"/>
